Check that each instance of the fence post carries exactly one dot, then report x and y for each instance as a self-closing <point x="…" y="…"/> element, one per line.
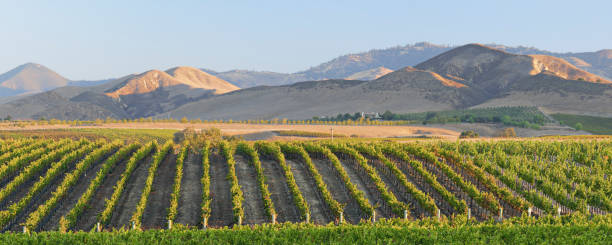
<point x="405" y="214"/>
<point x="558" y="211"/>
<point x="469" y="214"/>
<point x="169" y="224"/>
<point x="438" y="215"/>
<point x="133" y="225"/>
<point x="274" y="219"/>
<point x="529" y="210"/>
<point x="501" y="213"/>
<point x="205" y="223"/>
<point x="98" y="229"/>
<point x="307" y="217"/>
<point x="239" y="220"/>
<point x="25" y="229"/>
<point x="373" y="216"/>
<point x="341" y="217"/>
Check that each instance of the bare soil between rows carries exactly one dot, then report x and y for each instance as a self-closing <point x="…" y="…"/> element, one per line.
<point x="154" y="215"/>
<point x="221" y="204"/>
<point x="89" y="217"/>
<point x="72" y="196"/>
<point x="190" y="200"/>
<point x="352" y="211"/>
<point x="253" y="203"/>
<point x="319" y="211"/>
<point x="128" y="201"/>
<point x="280" y="194"/>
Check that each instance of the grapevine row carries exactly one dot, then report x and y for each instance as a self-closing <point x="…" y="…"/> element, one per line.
<point x="485" y="199"/>
<point x="246" y="149"/>
<point x="357" y="194"/>
<point x="70" y="219"/>
<point x="31" y="170"/>
<point x="176" y="188"/>
<point x="459" y="206"/>
<point x="24" y="158"/>
<point x="298" y="198"/>
<point x="487" y="180"/>
<point x="237" y="197"/>
<point x="397" y="207"/>
<point x="424" y="200"/>
<point x="144" y="197"/>
<point x="70" y="179"/>
<point x="205" y="181"/>
<point x="110" y="204"/>
<point x="56" y="169"/>
<point x="335" y="207"/>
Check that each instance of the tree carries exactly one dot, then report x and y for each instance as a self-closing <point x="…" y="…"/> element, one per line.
<point x="508" y="132"/>
<point x="578" y="126"/>
<point x="184" y="120"/>
<point x="387" y="115"/>
<point x="8" y="118"/>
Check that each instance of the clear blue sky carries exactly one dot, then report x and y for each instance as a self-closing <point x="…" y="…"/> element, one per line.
<point x="103" y="39"/>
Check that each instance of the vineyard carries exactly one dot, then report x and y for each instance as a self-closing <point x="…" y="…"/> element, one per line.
<point x="102" y="185"/>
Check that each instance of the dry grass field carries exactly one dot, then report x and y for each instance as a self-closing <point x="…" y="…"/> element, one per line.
<point x="267" y="130"/>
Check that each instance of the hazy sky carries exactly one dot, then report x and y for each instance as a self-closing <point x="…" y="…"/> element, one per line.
<point x="103" y="39"/>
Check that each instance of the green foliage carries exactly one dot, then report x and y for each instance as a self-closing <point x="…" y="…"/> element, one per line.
<point x="248" y="150"/>
<point x="591" y="124"/>
<point x="71" y="218"/>
<point x="110" y="204"/>
<point x="468" y="134"/>
<point x="275" y="151"/>
<point x="144" y="197"/>
<point x="178" y="177"/>
<point x="228" y="150"/>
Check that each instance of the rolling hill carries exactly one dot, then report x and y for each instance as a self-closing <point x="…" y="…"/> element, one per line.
<point x="469" y="76"/>
<point x="140" y="95"/>
<point x="29" y="78"/>
<point x="598" y="63"/>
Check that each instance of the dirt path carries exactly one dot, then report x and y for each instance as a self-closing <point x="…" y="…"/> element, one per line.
<point x="39" y="199"/>
<point x="190" y="201"/>
<point x="154" y="215"/>
<point x="72" y="197"/>
<point x="253" y="204"/>
<point x="279" y="191"/>
<point x="221" y="205"/>
<point x="360" y="179"/>
<point x="352" y="211"/>
<point x="319" y="212"/>
<point x="126" y="206"/>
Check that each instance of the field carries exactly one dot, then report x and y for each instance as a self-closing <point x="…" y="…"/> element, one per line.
<point x="478" y="190"/>
<point x="595" y="125"/>
<point x="144" y="128"/>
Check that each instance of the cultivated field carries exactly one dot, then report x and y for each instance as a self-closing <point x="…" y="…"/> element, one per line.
<point x="66" y="184"/>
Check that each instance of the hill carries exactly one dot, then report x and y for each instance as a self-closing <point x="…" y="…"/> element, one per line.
<point x="469" y="76"/>
<point x="598" y="63"/>
<point x="141" y="95"/>
<point x="28" y="78"/>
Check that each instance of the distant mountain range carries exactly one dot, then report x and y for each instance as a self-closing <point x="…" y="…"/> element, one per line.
<point x="412" y="78"/>
<point x="349" y="66"/>
<point x="464" y="77"/>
